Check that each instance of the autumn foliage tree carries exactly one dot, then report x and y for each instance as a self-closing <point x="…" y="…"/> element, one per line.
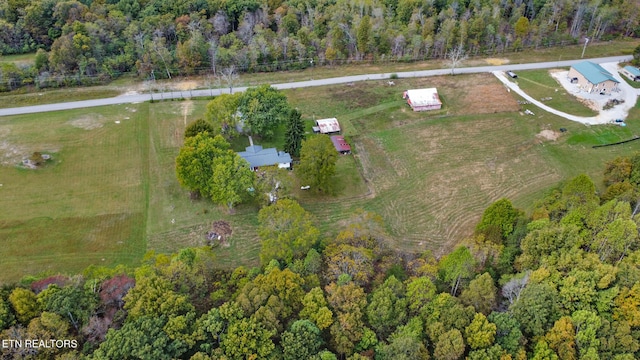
<point x="287" y="231"/>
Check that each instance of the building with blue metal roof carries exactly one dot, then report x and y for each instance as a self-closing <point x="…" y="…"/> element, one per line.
<point x="592" y="77"/>
<point x="631" y="72"/>
<point x="257" y="157"/>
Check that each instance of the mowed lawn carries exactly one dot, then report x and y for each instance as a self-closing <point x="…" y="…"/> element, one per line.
<point x="88" y="205"/>
<point x="111" y="192"/>
<point x="540" y="85"/>
<point x="432" y="174"/>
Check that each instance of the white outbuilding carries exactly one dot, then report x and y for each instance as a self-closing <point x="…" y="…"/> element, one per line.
<point x="423" y="99"/>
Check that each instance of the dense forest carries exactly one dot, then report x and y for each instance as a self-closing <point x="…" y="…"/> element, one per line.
<point x="560" y="283"/>
<point x="93" y="40"/>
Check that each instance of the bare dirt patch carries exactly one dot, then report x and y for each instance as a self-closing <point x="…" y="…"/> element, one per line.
<point x="11" y="154"/>
<point x="219" y="233"/>
<point x="548" y="135"/>
<point x="186" y="85"/>
<point x="88" y="122"/>
<point x="497" y="61"/>
<point x="479" y="94"/>
<point x="187" y="109"/>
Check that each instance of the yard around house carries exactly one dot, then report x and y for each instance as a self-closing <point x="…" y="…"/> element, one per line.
<point x="540" y="85"/>
<point x="111" y="193"/>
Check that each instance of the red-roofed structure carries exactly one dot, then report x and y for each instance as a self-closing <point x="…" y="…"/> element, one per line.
<point x="341" y="146"/>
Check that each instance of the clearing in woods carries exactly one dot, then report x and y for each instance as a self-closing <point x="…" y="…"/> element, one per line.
<point x="111" y="193"/>
<point x="434" y="173"/>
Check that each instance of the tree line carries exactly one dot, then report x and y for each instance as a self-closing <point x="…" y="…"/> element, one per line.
<point x="560" y="283"/>
<point x="87" y="41"/>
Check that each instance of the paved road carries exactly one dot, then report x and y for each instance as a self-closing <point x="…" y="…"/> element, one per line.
<point x="128" y="99"/>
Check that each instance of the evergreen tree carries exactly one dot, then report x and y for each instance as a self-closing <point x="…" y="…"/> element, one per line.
<point x="294" y="134"/>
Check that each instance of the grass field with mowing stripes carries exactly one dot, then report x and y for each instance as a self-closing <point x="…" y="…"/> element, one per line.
<point x="110" y="193"/>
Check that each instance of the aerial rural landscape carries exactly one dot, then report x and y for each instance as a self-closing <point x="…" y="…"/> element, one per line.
<point x="319" y="180"/>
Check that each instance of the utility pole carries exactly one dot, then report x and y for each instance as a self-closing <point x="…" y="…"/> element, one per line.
<point x="586" y="41"/>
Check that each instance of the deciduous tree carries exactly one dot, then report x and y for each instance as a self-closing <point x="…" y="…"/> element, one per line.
<point x="536" y="310"/>
<point x="286" y="230"/>
<point x="263" y="109"/>
<point x="25" y="304"/>
<point x="317" y="164"/>
<point x="420" y="291"/>
<point x="222" y="113"/>
<point x="198" y="126"/>
<point x="315" y="308"/>
<point x="302" y="341"/>
<point x="498" y="219"/>
<point x="450" y="346"/>
<point x="349" y="302"/>
<point x="508" y="334"/>
<point x="232" y="181"/>
<point x="481" y="294"/>
<point x="388" y="307"/>
<point x="455" y="267"/>
<point x="206" y="166"/>
<point x="480" y="333"/>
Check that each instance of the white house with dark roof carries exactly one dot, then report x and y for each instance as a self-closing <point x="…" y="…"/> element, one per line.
<point x="592" y="77"/>
<point x="258" y="157"/>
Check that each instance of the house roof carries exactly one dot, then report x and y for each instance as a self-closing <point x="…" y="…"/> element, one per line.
<point x="339" y="143"/>
<point x="256" y="156"/>
<point x="594" y="73"/>
<point x="423" y="97"/>
<point x="632" y="70"/>
<point x="328" y="125"/>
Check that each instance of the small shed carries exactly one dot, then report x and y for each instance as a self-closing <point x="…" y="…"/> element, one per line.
<point x="327" y="126"/>
<point x="423" y="99"/>
<point x="631" y="72"/>
<point x="340" y="144"/>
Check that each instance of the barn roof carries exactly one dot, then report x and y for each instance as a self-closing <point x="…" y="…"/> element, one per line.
<point x="632" y="70"/>
<point x="593" y="72"/>
<point x="330" y="125"/>
<point x="423" y="97"/>
<point x="256" y="156"/>
<point x="339" y="143"/>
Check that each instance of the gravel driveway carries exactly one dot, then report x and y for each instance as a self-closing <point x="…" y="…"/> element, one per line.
<point x="626" y="92"/>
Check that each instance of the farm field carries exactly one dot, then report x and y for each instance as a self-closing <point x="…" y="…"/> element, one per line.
<point x="111" y="191"/>
<point x="88" y="205"/>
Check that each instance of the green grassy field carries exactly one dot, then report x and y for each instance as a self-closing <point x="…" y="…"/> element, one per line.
<point x="540" y="84"/>
<point x="88" y="205"/>
<point x="22" y="97"/>
<point x="111" y="193"/>
<point x="18" y="59"/>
